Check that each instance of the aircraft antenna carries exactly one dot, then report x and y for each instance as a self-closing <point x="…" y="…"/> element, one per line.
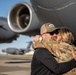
<point x="56" y="14"/>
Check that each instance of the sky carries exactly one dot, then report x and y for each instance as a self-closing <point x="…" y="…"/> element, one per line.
<point x="21" y="42"/>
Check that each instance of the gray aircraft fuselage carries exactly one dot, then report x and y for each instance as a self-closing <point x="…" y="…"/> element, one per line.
<point x="58" y="12"/>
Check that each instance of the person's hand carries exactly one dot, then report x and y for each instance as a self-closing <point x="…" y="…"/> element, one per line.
<point x="74" y="54"/>
<point x="36" y="38"/>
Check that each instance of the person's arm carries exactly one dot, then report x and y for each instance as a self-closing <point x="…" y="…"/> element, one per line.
<point x="48" y="60"/>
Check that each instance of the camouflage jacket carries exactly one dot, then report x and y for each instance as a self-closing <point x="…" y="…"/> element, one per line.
<point x="61" y="51"/>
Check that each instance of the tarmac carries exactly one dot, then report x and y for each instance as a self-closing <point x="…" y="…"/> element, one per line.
<point x="15" y="64"/>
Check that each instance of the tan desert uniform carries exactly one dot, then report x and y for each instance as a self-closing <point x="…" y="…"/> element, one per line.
<point x="61" y="51"/>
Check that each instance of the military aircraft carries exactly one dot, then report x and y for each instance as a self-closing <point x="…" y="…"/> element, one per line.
<point x="6" y="34"/>
<point x="18" y="51"/>
<point x="27" y="18"/>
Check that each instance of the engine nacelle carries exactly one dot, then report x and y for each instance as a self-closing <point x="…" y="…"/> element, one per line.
<point x="22" y="18"/>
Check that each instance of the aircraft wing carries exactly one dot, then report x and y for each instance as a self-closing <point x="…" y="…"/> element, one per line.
<point x="26" y="19"/>
<point x="6" y="34"/>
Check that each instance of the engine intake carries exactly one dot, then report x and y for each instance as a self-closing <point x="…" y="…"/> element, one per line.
<point x="22" y="19"/>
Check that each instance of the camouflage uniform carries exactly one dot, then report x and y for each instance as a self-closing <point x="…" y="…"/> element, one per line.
<point x="61" y="51"/>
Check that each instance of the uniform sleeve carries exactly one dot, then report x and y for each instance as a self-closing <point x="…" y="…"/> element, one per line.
<point x="44" y="56"/>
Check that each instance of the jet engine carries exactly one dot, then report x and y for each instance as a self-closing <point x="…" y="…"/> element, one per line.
<point x="22" y="19"/>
